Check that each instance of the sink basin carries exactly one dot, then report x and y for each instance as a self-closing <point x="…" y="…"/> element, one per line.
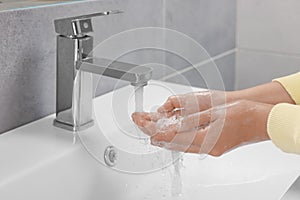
<point x="40" y="161"/>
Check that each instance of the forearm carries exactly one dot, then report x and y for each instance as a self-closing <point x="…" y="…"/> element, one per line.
<point x="270" y="93"/>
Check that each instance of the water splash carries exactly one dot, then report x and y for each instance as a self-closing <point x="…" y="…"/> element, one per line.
<point x="162" y="125"/>
<point x="176" y="190"/>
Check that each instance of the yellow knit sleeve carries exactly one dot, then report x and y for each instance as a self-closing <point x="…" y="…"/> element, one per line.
<point x="292" y="85"/>
<point x="284" y="127"/>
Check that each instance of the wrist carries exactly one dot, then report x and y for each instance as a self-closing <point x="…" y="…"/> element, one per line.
<point x="262" y="113"/>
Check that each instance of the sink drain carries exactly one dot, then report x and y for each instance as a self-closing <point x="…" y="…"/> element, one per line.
<point x="110" y="156"/>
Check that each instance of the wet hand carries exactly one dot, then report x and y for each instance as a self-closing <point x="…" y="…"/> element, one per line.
<point x="185" y="104"/>
<point x="214" y="131"/>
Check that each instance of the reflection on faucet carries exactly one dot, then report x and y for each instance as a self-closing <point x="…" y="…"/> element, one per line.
<point x="135" y="74"/>
<point x="75" y="65"/>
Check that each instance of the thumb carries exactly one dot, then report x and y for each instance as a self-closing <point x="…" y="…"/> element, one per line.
<point x="172" y="103"/>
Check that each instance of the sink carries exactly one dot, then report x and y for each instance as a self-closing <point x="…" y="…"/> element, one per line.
<point x="40" y="161"/>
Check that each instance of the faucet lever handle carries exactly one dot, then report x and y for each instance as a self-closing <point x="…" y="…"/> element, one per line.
<point x="79" y="25"/>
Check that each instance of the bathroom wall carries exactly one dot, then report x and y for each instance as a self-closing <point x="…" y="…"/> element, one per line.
<point x="267" y="40"/>
<point x="212" y="24"/>
<point x="27" y="53"/>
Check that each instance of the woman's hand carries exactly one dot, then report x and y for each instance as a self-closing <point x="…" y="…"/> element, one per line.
<point x="185" y="104"/>
<point x="214" y="131"/>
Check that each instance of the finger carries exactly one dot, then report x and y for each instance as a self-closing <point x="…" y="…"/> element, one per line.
<point x="178" y="112"/>
<point x="192" y="145"/>
<point x="196" y="146"/>
<point x="196" y="120"/>
<point x="201" y="142"/>
<point x="139" y="118"/>
<point x="137" y="115"/>
<point x="148" y="128"/>
<point x="195" y="137"/>
<point x="187" y="149"/>
<point x="176" y="147"/>
<point x="153" y="116"/>
<point x="171" y="103"/>
<point x="151" y="129"/>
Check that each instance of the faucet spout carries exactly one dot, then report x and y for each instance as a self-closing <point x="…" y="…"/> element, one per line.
<point x="74" y="69"/>
<point x="135" y="74"/>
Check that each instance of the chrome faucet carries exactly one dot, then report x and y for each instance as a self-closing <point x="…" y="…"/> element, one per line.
<point x="75" y="65"/>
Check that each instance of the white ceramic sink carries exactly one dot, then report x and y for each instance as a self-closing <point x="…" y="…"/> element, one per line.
<point x="39" y="161"/>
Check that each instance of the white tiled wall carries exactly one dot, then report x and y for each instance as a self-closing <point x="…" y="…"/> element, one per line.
<point x="209" y="23"/>
<point x="259" y="67"/>
<point x="267" y="39"/>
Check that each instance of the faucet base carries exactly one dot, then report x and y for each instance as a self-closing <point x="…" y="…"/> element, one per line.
<point x="71" y="127"/>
